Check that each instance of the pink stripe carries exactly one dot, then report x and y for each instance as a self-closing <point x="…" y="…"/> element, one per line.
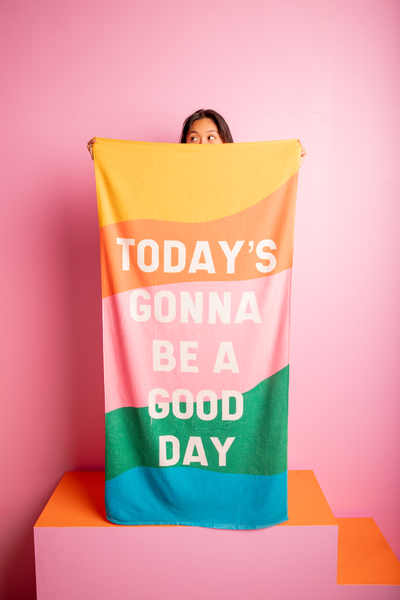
<point x="261" y="349"/>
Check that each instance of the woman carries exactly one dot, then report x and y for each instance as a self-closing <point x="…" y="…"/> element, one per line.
<point x="205" y="126"/>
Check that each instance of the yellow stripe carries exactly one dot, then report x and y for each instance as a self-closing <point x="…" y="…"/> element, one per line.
<point x="187" y="183"/>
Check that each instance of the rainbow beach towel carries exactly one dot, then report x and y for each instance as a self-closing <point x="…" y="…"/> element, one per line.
<point x="196" y="258"/>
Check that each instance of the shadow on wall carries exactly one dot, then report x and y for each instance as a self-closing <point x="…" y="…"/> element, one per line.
<point x="19" y="568"/>
<point x="80" y="259"/>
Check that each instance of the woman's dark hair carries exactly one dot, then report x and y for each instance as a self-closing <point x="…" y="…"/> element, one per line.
<point x="222" y="125"/>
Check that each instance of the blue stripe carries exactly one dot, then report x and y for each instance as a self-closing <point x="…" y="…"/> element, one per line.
<point x="187" y="496"/>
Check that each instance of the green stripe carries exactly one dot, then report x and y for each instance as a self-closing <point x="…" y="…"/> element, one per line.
<point x="260" y="446"/>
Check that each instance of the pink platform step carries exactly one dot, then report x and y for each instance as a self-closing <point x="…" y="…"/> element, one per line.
<point x="80" y="555"/>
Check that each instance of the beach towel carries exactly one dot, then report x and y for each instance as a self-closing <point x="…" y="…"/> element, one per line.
<point x="196" y="259"/>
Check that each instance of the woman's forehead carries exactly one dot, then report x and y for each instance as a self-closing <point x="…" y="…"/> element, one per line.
<point x="205" y="124"/>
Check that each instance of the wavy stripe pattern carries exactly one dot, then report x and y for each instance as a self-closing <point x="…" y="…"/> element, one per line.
<point x="260" y="435"/>
<point x="187" y="183"/>
<point x="196" y="255"/>
<point x="269" y="219"/>
<point x="261" y="349"/>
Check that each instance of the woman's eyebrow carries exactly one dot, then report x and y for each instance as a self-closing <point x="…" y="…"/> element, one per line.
<point x="208" y="131"/>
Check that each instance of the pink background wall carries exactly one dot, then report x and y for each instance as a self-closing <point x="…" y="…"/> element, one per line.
<point x="324" y="71"/>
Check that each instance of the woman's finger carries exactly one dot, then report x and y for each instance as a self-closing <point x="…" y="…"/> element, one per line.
<point x="89" y="146"/>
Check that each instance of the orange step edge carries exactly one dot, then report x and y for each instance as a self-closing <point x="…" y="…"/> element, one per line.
<point x="364" y="555"/>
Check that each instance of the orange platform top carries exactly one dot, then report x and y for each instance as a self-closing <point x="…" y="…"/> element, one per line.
<point x="78" y="501"/>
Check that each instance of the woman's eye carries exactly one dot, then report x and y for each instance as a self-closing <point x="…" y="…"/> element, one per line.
<point x="211" y="137"/>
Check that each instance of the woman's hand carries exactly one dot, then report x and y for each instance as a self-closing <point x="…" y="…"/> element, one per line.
<point x="303" y="154"/>
<point x="89" y="146"/>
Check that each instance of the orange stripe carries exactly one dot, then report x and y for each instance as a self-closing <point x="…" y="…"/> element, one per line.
<point x="271" y="218"/>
